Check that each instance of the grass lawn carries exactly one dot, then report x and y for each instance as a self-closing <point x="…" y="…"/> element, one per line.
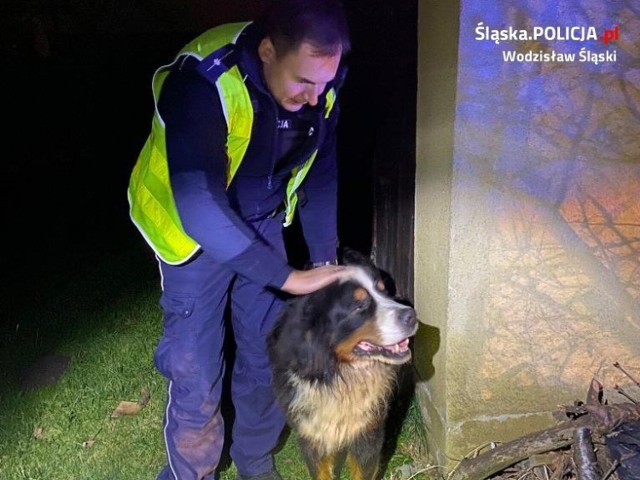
<point x="105" y="318"/>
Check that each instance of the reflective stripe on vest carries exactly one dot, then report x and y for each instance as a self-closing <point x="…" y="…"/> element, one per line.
<point x="299" y="173"/>
<point x="152" y="206"/>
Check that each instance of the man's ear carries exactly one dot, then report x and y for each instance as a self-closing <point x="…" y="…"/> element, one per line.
<point x="266" y="51"/>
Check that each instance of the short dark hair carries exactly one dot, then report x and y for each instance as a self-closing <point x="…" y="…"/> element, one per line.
<point x="321" y="23"/>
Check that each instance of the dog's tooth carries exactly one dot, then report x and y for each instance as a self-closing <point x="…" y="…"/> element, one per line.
<point x="396" y="348"/>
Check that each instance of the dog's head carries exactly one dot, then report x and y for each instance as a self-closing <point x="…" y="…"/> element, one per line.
<point x="352" y="321"/>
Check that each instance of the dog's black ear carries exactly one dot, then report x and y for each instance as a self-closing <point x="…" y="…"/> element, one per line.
<point x="314" y="356"/>
<point x="356" y="258"/>
<point x="295" y="346"/>
<point x="351" y="256"/>
<point x="315" y="362"/>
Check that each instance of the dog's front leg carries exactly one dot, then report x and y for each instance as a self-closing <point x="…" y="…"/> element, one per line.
<point x="360" y="471"/>
<point x="321" y="467"/>
<point x="364" y="454"/>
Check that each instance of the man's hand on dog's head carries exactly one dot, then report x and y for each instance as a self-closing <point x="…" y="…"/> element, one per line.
<point x="301" y="282"/>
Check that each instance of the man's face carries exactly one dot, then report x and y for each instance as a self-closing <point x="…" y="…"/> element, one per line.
<point x="299" y="77"/>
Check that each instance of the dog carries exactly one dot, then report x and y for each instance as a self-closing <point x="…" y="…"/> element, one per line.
<point x="335" y="356"/>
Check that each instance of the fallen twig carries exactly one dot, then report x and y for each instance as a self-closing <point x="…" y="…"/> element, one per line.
<point x="619" y="389"/>
<point x="612" y="469"/>
<point x="619" y="367"/>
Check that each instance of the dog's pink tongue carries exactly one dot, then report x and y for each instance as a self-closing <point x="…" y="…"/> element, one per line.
<point x="366" y="346"/>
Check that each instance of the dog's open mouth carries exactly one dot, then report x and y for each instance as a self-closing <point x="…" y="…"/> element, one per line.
<point x="395" y="353"/>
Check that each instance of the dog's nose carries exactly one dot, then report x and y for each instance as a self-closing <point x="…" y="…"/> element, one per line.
<point x="408" y="316"/>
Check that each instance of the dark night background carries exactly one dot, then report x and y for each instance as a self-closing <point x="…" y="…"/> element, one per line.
<point x="77" y="108"/>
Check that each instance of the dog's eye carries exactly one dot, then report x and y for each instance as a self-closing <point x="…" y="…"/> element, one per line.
<point x="358" y="310"/>
<point x="361" y="300"/>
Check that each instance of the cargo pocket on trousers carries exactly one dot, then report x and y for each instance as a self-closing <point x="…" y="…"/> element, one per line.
<point x="177" y="306"/>
<point x="174" y="354"/>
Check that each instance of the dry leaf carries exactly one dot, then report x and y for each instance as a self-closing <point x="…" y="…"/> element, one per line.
<point x="88" y="443"/>
<point x="38" y="432"/>
<point x="132" y="408"/>
<point x="126" y="408"/>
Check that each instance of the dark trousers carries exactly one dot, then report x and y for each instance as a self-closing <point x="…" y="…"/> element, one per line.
<point x="190" y="355"/>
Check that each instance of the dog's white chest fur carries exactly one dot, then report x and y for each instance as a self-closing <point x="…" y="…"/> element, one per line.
<point x="331" y="416"/>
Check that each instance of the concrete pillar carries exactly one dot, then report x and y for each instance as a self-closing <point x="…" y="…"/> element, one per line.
<point x="527" y="213"/>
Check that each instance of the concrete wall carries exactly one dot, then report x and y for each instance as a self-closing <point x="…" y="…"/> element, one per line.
<point x="527" y="230"/>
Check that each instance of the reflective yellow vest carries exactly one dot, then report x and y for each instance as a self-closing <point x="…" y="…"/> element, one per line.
<point x="152" y="206"/>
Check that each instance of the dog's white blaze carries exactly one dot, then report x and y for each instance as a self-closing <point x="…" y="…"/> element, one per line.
<point x="391" y="331"/>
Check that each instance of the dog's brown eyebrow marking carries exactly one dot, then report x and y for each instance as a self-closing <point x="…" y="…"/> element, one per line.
<point x="360" y="293"/>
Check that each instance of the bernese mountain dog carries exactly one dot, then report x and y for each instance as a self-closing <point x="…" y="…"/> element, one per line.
<point x="335" y="356"/>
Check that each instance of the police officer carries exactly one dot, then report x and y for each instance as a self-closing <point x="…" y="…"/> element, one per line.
<point x="245" y="118"/>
